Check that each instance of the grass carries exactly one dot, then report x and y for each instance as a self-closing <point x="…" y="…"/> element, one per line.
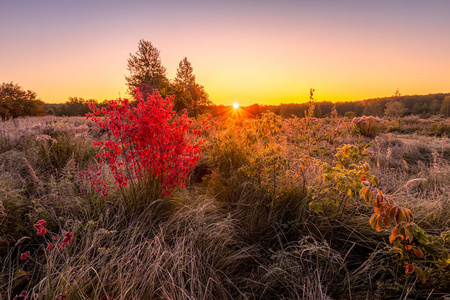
<point x="256" y="221"/>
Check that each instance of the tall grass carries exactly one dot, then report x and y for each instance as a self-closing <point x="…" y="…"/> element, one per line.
<point x="257" y="220"/>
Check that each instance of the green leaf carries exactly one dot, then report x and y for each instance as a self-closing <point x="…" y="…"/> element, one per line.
<point x="421" y="274"/>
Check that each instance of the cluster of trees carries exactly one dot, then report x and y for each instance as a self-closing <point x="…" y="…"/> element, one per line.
<point x="16" y="102"/>
<point x="148" y="73"/>
<point x="75" y="106"/>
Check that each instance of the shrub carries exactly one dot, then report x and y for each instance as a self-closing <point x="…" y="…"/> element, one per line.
<point x="368" y="126"/>
<point x="148" y="144"/>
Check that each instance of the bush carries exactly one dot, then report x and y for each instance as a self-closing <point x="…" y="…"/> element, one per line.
<point x="147" y="145"/>
<point x="368" y="126"/>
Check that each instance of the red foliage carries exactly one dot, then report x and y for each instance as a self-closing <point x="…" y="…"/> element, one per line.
<point x="147" y="142"/>
<point x="67" y="238"/>
<point x="25" y="255"/>
<point x="40" y="227"/>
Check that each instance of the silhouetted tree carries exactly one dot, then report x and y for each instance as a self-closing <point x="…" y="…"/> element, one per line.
<point x="445" y="107"/>
<point x="76" y="107"/>
<point x="192" y="94"/>
<point x="146" y="70"/>
<point x="16" y="102"/>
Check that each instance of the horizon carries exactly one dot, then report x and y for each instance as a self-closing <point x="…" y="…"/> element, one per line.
<point x="268" y="54"/>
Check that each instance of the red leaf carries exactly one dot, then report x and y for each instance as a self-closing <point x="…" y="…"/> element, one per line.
<point x="409" y="269"/>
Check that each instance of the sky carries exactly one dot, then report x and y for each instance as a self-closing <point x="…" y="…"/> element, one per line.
<point x="266" y="52"/>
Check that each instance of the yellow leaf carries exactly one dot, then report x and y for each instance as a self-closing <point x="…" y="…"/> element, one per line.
<point x="418" y="252"/>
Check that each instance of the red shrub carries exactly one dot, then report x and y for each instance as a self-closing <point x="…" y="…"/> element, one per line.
<point x="149" y="142"/>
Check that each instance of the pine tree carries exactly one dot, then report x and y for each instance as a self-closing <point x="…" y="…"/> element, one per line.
<point x="185" y="76"/>
<point x="146" y="70"/>
<point x="192" y="94"/>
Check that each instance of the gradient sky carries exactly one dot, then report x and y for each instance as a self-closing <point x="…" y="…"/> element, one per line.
<point x="269" y="53"/>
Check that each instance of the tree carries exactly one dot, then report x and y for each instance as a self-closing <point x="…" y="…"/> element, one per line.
<point x="192" y="94"/>
<point x="372" y="108"/>
<point x="395" y="109"/>
<point x="76" y="106"/>
<point x="445" y="107"/>
<point x="435" y="107"/>
<point x="146" y="70"/>
<point x="185" y="76"/>
<point x="16" y="102"/>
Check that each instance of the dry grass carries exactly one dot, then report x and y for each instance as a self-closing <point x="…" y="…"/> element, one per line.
<point x="243" y="228"/>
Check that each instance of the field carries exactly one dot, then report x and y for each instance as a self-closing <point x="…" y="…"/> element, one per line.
<point x="275" y="208"/>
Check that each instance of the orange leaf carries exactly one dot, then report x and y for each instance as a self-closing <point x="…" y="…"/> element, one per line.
<point x="387" y="221"/>
<point x="378" y="200"/>
<point x="408" y="235"/>
<point x="392" y="212"/>
<point x="395" y="231"/>
<point x="409" y="269"/>
<point x="379" y="225"/>
<point x="408" y="215"/>
<point x="418" y="252"/>
<point x="373" y="220"/>
<point x="398" y="216"/>
<point x="391" y="239"/>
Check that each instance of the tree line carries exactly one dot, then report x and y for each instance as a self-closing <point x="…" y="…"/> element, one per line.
<point x="424" y="106"/>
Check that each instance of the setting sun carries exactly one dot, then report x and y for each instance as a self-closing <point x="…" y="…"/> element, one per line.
<point x="235" y="105"/>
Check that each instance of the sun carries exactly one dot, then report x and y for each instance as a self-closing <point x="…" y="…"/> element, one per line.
<point x="235" y="105"/>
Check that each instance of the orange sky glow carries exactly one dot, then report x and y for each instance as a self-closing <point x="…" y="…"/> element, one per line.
<point x="241" y="52"/>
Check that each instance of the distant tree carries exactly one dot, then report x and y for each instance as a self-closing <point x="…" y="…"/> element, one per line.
<point x="416" y="109"/>
<point x="146" y="70"/>
<point x="185" y="74"/>
<point x="395" y="109"/>
<point x="76" y="107"/>
<point x="200" y="99"/>
<point x="190" y="93"/>
<point x="16" y="102"/>
<point x="397" y="93"/>
<point x="372" y="108"/>
<point x="318" y="110"/>
<point x="445" y="107"/>
<point x="435" y="107"/>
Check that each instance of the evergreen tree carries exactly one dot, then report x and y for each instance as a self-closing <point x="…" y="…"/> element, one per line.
<point x="192" y="94"/>
<point x="146" y="70"/>
<point x="185" y="76"/>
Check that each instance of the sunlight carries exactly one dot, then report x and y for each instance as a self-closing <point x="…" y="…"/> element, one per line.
<point x="235" y="105"/>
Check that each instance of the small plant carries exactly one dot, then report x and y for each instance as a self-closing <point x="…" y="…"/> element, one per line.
<point x="49" y="248"/>
<point x="415" y="247"/>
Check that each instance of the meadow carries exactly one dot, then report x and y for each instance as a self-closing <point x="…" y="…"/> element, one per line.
<point x="272" y="208"/>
